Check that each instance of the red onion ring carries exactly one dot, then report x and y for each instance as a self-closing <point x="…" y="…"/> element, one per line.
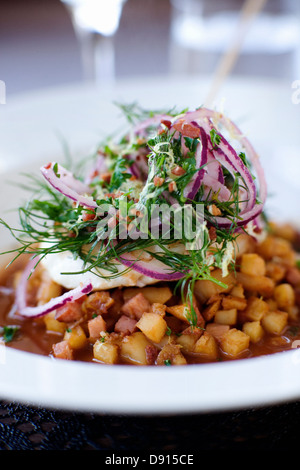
<point x="35" y="312"/>
<point x="67" y="185"/>
<point x="193" y="186"/>
<point x="154" y="268"/>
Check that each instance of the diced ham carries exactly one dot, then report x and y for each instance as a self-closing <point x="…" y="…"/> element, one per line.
<point x="96" y="326"/>
<point x="62" y="350"/>
<point x="69" y="313"/>
<point x="293" y="276"/>
<point x="136" y="306"/>
<point x="125" y="325"/>
<point x="217" y="330"/>
<point x="151" y="354"/>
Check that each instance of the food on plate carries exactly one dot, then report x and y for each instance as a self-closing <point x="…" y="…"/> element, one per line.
<point x="157" y="251"/>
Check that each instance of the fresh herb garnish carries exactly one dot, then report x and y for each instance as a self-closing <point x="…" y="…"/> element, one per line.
<point x="9" y="332"/>
<point x="215" y="138"/>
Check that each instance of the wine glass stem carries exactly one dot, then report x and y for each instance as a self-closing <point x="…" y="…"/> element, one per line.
<point x="98" y="57"/>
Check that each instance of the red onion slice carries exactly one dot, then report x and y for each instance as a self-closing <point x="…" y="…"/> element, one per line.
<point x="155" y="121"/>
<point x="35" y="312"/>
<point x="64" y="182"/>
<point x="154" y="268"/>
<point x="193" y="186"/>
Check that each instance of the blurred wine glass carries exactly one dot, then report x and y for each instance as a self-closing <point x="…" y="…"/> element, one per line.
<point x="202" y="30"/>
<point x="95" y="23"/>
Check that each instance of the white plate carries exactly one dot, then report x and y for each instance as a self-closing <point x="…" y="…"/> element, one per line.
<point x="28" y="136"/>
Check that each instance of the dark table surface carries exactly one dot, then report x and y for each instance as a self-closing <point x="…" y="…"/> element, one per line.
<point x="268" y="428"/>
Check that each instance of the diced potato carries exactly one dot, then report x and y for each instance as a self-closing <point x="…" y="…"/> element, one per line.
<point x="286" y="231"/>
<point x="179" y="311"/>
<point x="275" y="322"/>
<point x="272" y="304"/>
<point x="226" y="317"/>
<point x="230" y="301"/>
<point x="238" y="291"/>
<point x="253" y="264"/>
<point x="273" y="247"/>
<point x="207" y="346"/>
<point x="256" y="309"/>
<point x="275" y="271"/>
<point x="153" y="326"/>
<point x="206" y="289"/>
<point x="97" y="302"/>
<point x="133" y="348"/>
<point x="171" y="355"/>
<point x="235" y="342"/>
<point x="159" y="308"/>
<point x="261" y="284"/>
<point x="284" y="296"/>
<point x="210" y="311"/>
<point x="293" y="312"/>
<point x="76" y="337"/>
<point x="53" y="325"/>
<point x="106" y="352"/>
<point x="154" y="295"/>
<point x="254" y="330"/>
<point x="188" y="339"/>
<point x="217" y="330"/>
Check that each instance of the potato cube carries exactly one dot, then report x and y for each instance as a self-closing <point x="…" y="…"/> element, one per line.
<point x="179" y="311"/>
<point x="275" y="322"/>
<point x="284" y="296"/>
<point x="133" y="348"/>
<point x="273" y="247"/>
<point x="53" y="325"/>
<point x="207" y="346"/>
<point x="171" y="355"/>
<point x="159" y="308"/>
<point x="188" y="339"/>
<point x="275" y="271"/>
<point x="261" y="284"/>
<point x="230" y="301"/>
<point x="226" y="317"/>
<point x="238" y="291"/>
<point x="106" y="352"/>
<point x="254" y="330"/>
<point x="153" y="326"/>
<point x="235" y="342"/>
<point x="253" y="264"/>
<point x="210" y="311"/>
<point x="154" y="295"/>
<point x="76" y="337"/>
<point x="256" y="309"/>
<point x="204" y="289"/>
